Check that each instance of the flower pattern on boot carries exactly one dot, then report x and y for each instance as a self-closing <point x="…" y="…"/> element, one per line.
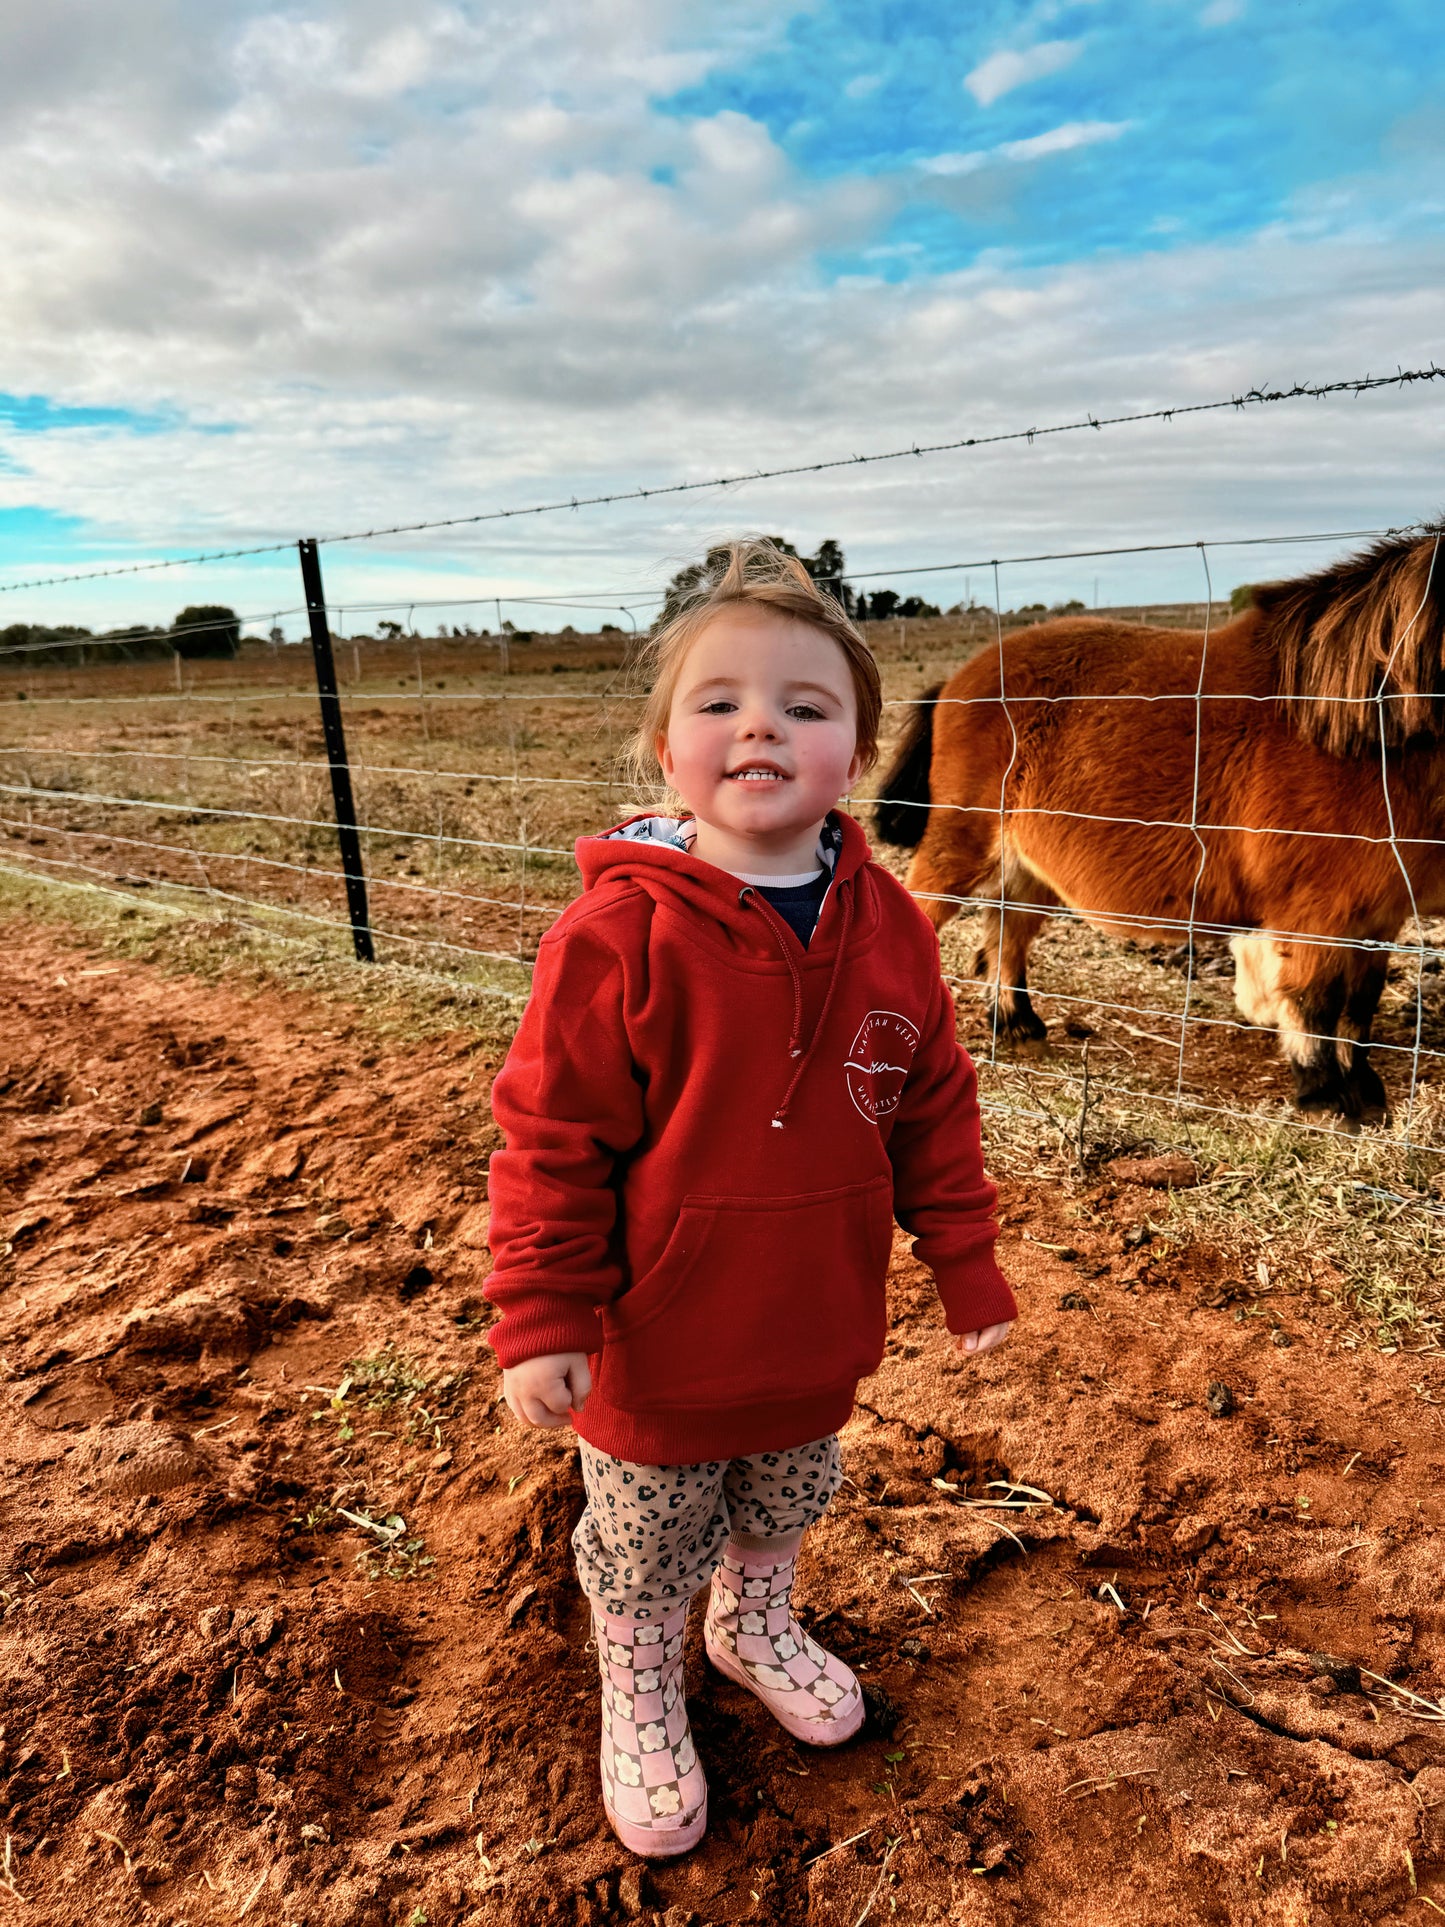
<point x="753" y="1638"/>
<point x="652" y="1786"/>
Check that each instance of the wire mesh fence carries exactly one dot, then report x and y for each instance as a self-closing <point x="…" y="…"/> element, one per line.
<point x="477" y="759"/>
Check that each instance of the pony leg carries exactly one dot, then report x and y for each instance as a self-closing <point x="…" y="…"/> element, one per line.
<point x="957" y="852"/>
<point x="1301" y="990"/>
<point x="1256" y="981"/>
<point x="1322" y="1001"/>
<point x="1010" y="927"/>
<point x="1361" y="1003"/>
<point x="958" y="858"/>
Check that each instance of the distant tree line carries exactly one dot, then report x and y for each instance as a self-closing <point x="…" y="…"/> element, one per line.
<point x="207" y="629"/>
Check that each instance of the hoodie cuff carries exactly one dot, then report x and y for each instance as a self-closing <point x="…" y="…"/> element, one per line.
<point x="545" y="1325"/>
<point x="976" y="1295"/>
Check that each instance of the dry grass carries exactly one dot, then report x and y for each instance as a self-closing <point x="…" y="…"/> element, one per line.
<point x="1354" y="1221"/>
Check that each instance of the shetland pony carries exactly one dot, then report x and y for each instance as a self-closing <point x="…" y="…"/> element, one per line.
<point x="1284" y="775"/>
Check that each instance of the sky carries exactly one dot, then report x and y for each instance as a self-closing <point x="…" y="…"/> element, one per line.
<point x="273" y="272"/>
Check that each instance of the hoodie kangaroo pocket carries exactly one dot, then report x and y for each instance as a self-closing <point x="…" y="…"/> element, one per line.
<point x="755" y="1300"/>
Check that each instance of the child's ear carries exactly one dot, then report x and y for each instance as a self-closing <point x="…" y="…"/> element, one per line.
<point x="855" y="769"/>
<point x="663" y="754"/>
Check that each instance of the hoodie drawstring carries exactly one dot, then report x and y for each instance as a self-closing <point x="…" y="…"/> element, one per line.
<point x="747" y="895"/>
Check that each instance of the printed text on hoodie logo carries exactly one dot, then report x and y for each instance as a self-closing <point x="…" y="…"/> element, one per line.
<point x="879" y="1061"/>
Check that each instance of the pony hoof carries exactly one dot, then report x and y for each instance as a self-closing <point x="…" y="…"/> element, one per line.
<point x="1033" y="1043"/>
<point x="1327" y="1112"/>
<point x="1024" y="1029"/>
<point x="1370" y="1098"/>
<point x="1014" y="1018"/>
<point x="1016" y="1030"/>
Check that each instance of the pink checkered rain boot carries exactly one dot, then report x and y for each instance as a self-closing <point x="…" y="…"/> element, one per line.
<point x="753" y="1639"/>
<point x="653" y="1789"/>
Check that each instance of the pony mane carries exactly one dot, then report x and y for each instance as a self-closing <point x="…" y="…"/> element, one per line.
<point x="1335" y="634"/>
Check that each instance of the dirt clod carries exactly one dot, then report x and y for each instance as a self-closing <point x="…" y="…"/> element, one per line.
<point x="133" y="1461"/>
<point x="195" y="1321"/>
<point x="1219" y="1399"/>
<point x="634" y="1890"/>
<point x="1156" y="1174"/>
<point x="1345" y="1673"/>
<point x="1192" y="1535"/>
<point x="884" y="1712"/>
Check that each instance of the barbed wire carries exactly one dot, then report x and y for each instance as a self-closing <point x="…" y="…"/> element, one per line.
<point x="570" y="599"/>
<point x="1252" y="397"/>
<point x="911" y="569"/>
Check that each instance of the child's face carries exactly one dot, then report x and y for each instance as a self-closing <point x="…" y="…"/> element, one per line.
<point x="763" y="693"/>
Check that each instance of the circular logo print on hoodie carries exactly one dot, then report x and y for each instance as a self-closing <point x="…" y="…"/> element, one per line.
<point x="878" y="1062"/>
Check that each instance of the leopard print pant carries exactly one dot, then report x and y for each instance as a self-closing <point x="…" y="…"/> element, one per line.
<point x="653" y="1535"/>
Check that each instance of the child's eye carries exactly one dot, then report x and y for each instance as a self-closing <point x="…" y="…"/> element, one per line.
<point x="806" y="712"/>
<point x="719" y="706"/>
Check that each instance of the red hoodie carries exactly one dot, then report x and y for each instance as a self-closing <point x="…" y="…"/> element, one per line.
<point x="709" y="1132"/>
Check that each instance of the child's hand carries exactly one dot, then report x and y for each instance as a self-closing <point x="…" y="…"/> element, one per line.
<point x="544" y="1390"/>
<point x="975" y="1344"/>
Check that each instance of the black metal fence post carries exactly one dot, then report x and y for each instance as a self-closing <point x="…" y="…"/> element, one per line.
<point x="341" y="797"/>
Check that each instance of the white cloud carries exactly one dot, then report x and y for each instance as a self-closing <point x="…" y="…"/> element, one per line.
<point x="1061" y="140"/>
<point x="1015" y="67"/>
<point x="862" y="85"/>
<point x="1222" y="13"/>
<point x="1058" y="140"/>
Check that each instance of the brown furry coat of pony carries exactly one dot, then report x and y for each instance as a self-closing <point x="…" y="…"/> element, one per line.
<point x="1281" y="780"/>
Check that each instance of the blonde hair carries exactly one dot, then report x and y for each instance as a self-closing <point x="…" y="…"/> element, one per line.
<point x="751" y="572"/>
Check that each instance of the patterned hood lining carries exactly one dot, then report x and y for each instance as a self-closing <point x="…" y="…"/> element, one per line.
<point x="680" y="832"/>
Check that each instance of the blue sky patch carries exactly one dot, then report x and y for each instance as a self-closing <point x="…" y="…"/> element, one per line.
<point x="38" y="415"/>
<point x="34" y="535"/>
<point x="1056" y="132"/>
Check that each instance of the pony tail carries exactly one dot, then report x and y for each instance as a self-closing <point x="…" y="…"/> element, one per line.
<point x="902" y="816"/>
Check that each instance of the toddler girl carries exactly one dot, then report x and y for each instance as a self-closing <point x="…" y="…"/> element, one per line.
<point x="738" y="1066"/>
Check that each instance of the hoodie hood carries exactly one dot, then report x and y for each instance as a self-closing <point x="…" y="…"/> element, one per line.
<point x="654" y="852"/>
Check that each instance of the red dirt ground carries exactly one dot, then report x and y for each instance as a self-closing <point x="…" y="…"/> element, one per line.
<point x="1134" y="1704"/>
